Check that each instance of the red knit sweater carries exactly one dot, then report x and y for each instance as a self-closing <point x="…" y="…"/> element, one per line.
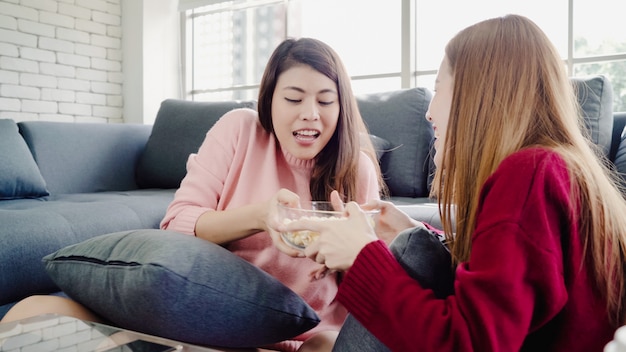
<point x="523" y="288"/>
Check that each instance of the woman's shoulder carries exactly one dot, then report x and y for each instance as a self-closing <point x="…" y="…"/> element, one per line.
<point x="235" y="121"/>
<point x="526" y="181"/>
<point x="532" y="167"/>
<point x="533" y="158"/>
<point x="239" y="116"/>
<point x="365" y="161"/>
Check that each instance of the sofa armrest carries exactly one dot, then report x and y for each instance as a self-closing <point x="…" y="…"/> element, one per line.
<point x="85" y="157"/>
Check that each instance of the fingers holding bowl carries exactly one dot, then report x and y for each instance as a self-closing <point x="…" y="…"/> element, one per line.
<point x="306" y="217"/>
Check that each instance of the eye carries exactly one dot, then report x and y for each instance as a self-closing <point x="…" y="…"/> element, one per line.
<point x="326" y="103"/>
<point x="294" y="101"/>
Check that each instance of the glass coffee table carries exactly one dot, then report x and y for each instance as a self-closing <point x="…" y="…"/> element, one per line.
<point x="51" y="332"/>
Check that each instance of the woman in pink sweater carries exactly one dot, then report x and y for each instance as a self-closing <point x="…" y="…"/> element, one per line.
<point x="306" y="140"/>
<point x="538" y="236"/>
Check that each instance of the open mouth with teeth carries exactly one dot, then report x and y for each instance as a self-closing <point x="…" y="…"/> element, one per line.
<point x="307" y="135"/>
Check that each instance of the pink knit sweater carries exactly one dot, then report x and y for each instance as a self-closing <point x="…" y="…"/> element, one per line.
<point x="240" y="163"/>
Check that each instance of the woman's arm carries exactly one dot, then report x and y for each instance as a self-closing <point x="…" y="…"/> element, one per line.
<point x="229" y="225"/>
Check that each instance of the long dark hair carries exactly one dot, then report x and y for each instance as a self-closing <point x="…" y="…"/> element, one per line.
<point x="336" y="166"/>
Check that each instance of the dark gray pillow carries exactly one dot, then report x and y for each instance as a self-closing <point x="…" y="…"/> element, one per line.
<point x="426" y="259"/>
<point x="620" y="160"/>
<point x="179" y="130"/>
<point x="19" y="174"/>
<point x="399" y="117"/>
<point x="180" y="287"/>
<point x="595" y="96"/>
<point x="381" y="146"/>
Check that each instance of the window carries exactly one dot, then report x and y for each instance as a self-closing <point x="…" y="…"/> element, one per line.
<point x="599" y="45"/>
<point x="384" y="45"/>
<point x="227" y="46"/>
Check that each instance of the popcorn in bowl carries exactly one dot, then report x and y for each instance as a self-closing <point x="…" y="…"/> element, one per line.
<point x="315" y="210"/>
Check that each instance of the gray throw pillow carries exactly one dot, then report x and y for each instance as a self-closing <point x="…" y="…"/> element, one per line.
<point x="595" y="96"/>
<point x="381" y="146"/>
<point x="179" y="130"/>
<point x="398" y="116"/>
<point x="180" y="287"/>
<point x="19" y="175"/>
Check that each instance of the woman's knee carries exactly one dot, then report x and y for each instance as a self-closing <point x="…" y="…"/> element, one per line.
<point x="42" y="304"/>
<point x="320" y="342"/>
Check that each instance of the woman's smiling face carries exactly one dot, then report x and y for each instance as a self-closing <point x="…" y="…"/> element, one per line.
<point x="305" y="111"/>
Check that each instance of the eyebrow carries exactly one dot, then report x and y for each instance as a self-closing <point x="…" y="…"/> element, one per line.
<point x="298" y="89"/>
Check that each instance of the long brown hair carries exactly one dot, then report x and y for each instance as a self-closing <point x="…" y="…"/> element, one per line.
<point x="336" y="165"/>
<point x="511" y="91"/>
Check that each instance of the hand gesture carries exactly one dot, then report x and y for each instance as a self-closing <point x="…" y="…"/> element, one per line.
<point x="391" y="220"/>
<point x="273" y="224"/>
<point x="340" y="241"/>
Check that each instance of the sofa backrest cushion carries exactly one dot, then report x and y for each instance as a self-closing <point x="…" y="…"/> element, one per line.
<point x="595" y="97"/>
<point x="80" y="157"/>
<point x="179" y="129"/>
<point x="399" y="117"/>
<point x="19" y="174"/>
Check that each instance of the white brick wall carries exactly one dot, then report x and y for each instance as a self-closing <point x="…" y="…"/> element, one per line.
<point x="61" y="60"/>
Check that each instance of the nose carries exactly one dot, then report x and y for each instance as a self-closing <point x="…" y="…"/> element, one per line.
<point x="310" y="111"/>
<point x="428" y="116"/>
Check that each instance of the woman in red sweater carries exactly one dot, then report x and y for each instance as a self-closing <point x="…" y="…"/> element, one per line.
<point x="537" y="239"/>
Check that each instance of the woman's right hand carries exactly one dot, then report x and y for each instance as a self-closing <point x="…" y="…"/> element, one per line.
<point x="391" y="220"/>
<point x="274" y="226"/>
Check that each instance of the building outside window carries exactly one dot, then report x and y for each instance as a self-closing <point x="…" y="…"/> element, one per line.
<point x="385" y="45"/>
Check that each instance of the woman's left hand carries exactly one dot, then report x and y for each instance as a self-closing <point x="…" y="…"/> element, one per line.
<point x="340" y="241"/>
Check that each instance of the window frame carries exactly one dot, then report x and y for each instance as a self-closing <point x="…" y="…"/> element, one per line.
<point x="409" y="75"/>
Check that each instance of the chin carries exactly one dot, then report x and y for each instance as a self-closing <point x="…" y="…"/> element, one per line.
<point x="305" y="153"/>
<point x="305" y="156"/>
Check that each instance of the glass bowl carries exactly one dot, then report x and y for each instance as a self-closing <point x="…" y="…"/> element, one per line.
<point x="314" y="210"/>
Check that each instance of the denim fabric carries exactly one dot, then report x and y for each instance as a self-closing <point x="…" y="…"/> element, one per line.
<point x="179" y="287"/>
<point x="421" y="253"/>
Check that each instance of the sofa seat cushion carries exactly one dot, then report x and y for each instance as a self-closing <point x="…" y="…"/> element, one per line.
<point x="180" y="287"/>
<point x="19" y="174"/>
<point x="33" y="228"/>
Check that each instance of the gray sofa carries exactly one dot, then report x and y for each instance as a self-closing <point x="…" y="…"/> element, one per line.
<point x="63" y="183"/>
